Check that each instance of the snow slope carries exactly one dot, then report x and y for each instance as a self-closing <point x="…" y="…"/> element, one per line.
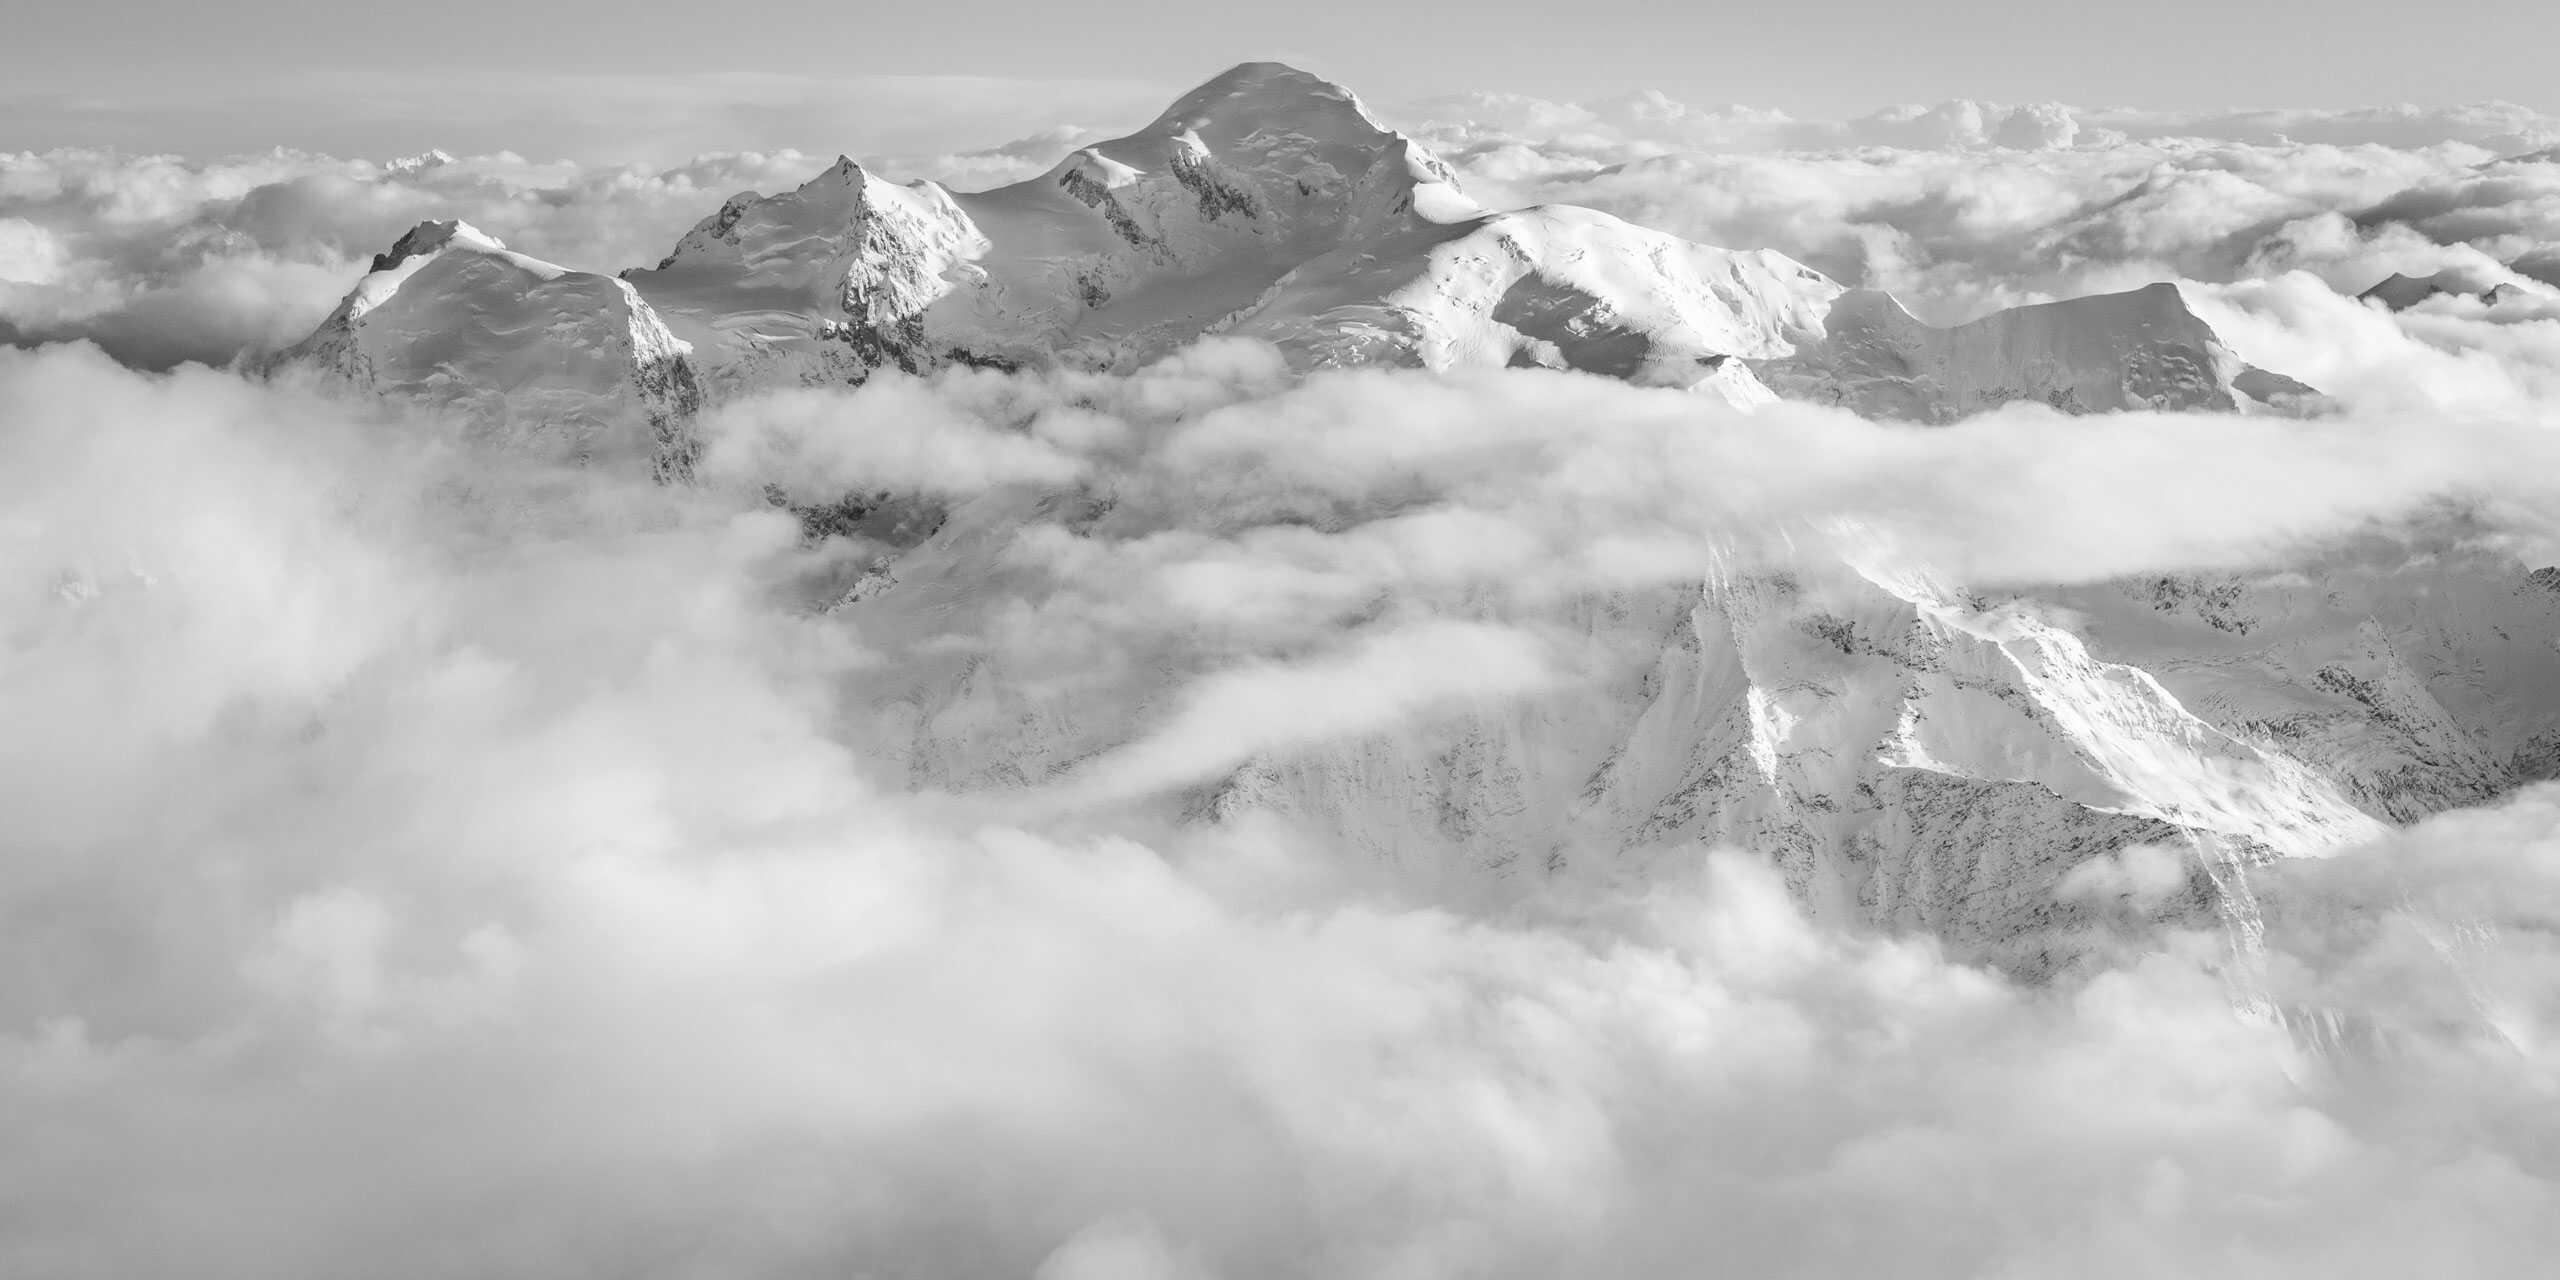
<point x="1555" y="287"/>
<point x="567" y="364"/>
<point x="1913" y="755"/>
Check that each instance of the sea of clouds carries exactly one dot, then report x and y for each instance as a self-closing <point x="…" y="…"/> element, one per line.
<point x="422" y="862"/>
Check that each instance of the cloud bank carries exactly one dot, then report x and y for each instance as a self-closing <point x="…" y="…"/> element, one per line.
<point x="424" y="863"/>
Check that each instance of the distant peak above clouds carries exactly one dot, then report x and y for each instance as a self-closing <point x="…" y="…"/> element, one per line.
<point x="2102" y="353"/>
<point x="569" y="365"/>
<point x="1234" y="100"/>
<point x="432" y="158"/>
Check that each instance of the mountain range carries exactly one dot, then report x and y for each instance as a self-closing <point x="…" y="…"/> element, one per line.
<point x="1264" y="204"/>
<point x="1913" y="753"/>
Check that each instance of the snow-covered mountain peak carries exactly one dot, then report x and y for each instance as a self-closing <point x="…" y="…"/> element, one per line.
<point x="1255" y="97"/>
<point x="1557" y="286"/>
<point x="426" y="243"/>
<point x="432" y="158"/>
<point x="819" y="219"/>
<point x="1262" y="155"/>
<point x="569" y="364"/>
<point x="820" y="283"/>
<point x="2143" y="348"/>
<point x="433" y="237"/>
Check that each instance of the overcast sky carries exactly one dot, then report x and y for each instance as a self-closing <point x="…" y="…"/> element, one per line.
<point x="599" y="77"/>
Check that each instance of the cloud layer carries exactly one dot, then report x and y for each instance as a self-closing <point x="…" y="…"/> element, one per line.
<point x="423" y="863"/>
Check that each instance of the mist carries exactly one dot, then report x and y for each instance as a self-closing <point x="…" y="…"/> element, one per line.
<point x="427" y="864"/>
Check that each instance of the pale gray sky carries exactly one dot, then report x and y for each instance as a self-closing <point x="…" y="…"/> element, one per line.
<point x="589" y="77"/>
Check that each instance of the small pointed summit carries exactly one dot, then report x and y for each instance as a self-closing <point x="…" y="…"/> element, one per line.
<point x="846" y="174"/>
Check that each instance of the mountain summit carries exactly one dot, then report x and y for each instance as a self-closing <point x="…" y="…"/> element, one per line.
<point x="568" y="364"/>
<point x="1122" y="251"/>
<point x="2103" y="353"/>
